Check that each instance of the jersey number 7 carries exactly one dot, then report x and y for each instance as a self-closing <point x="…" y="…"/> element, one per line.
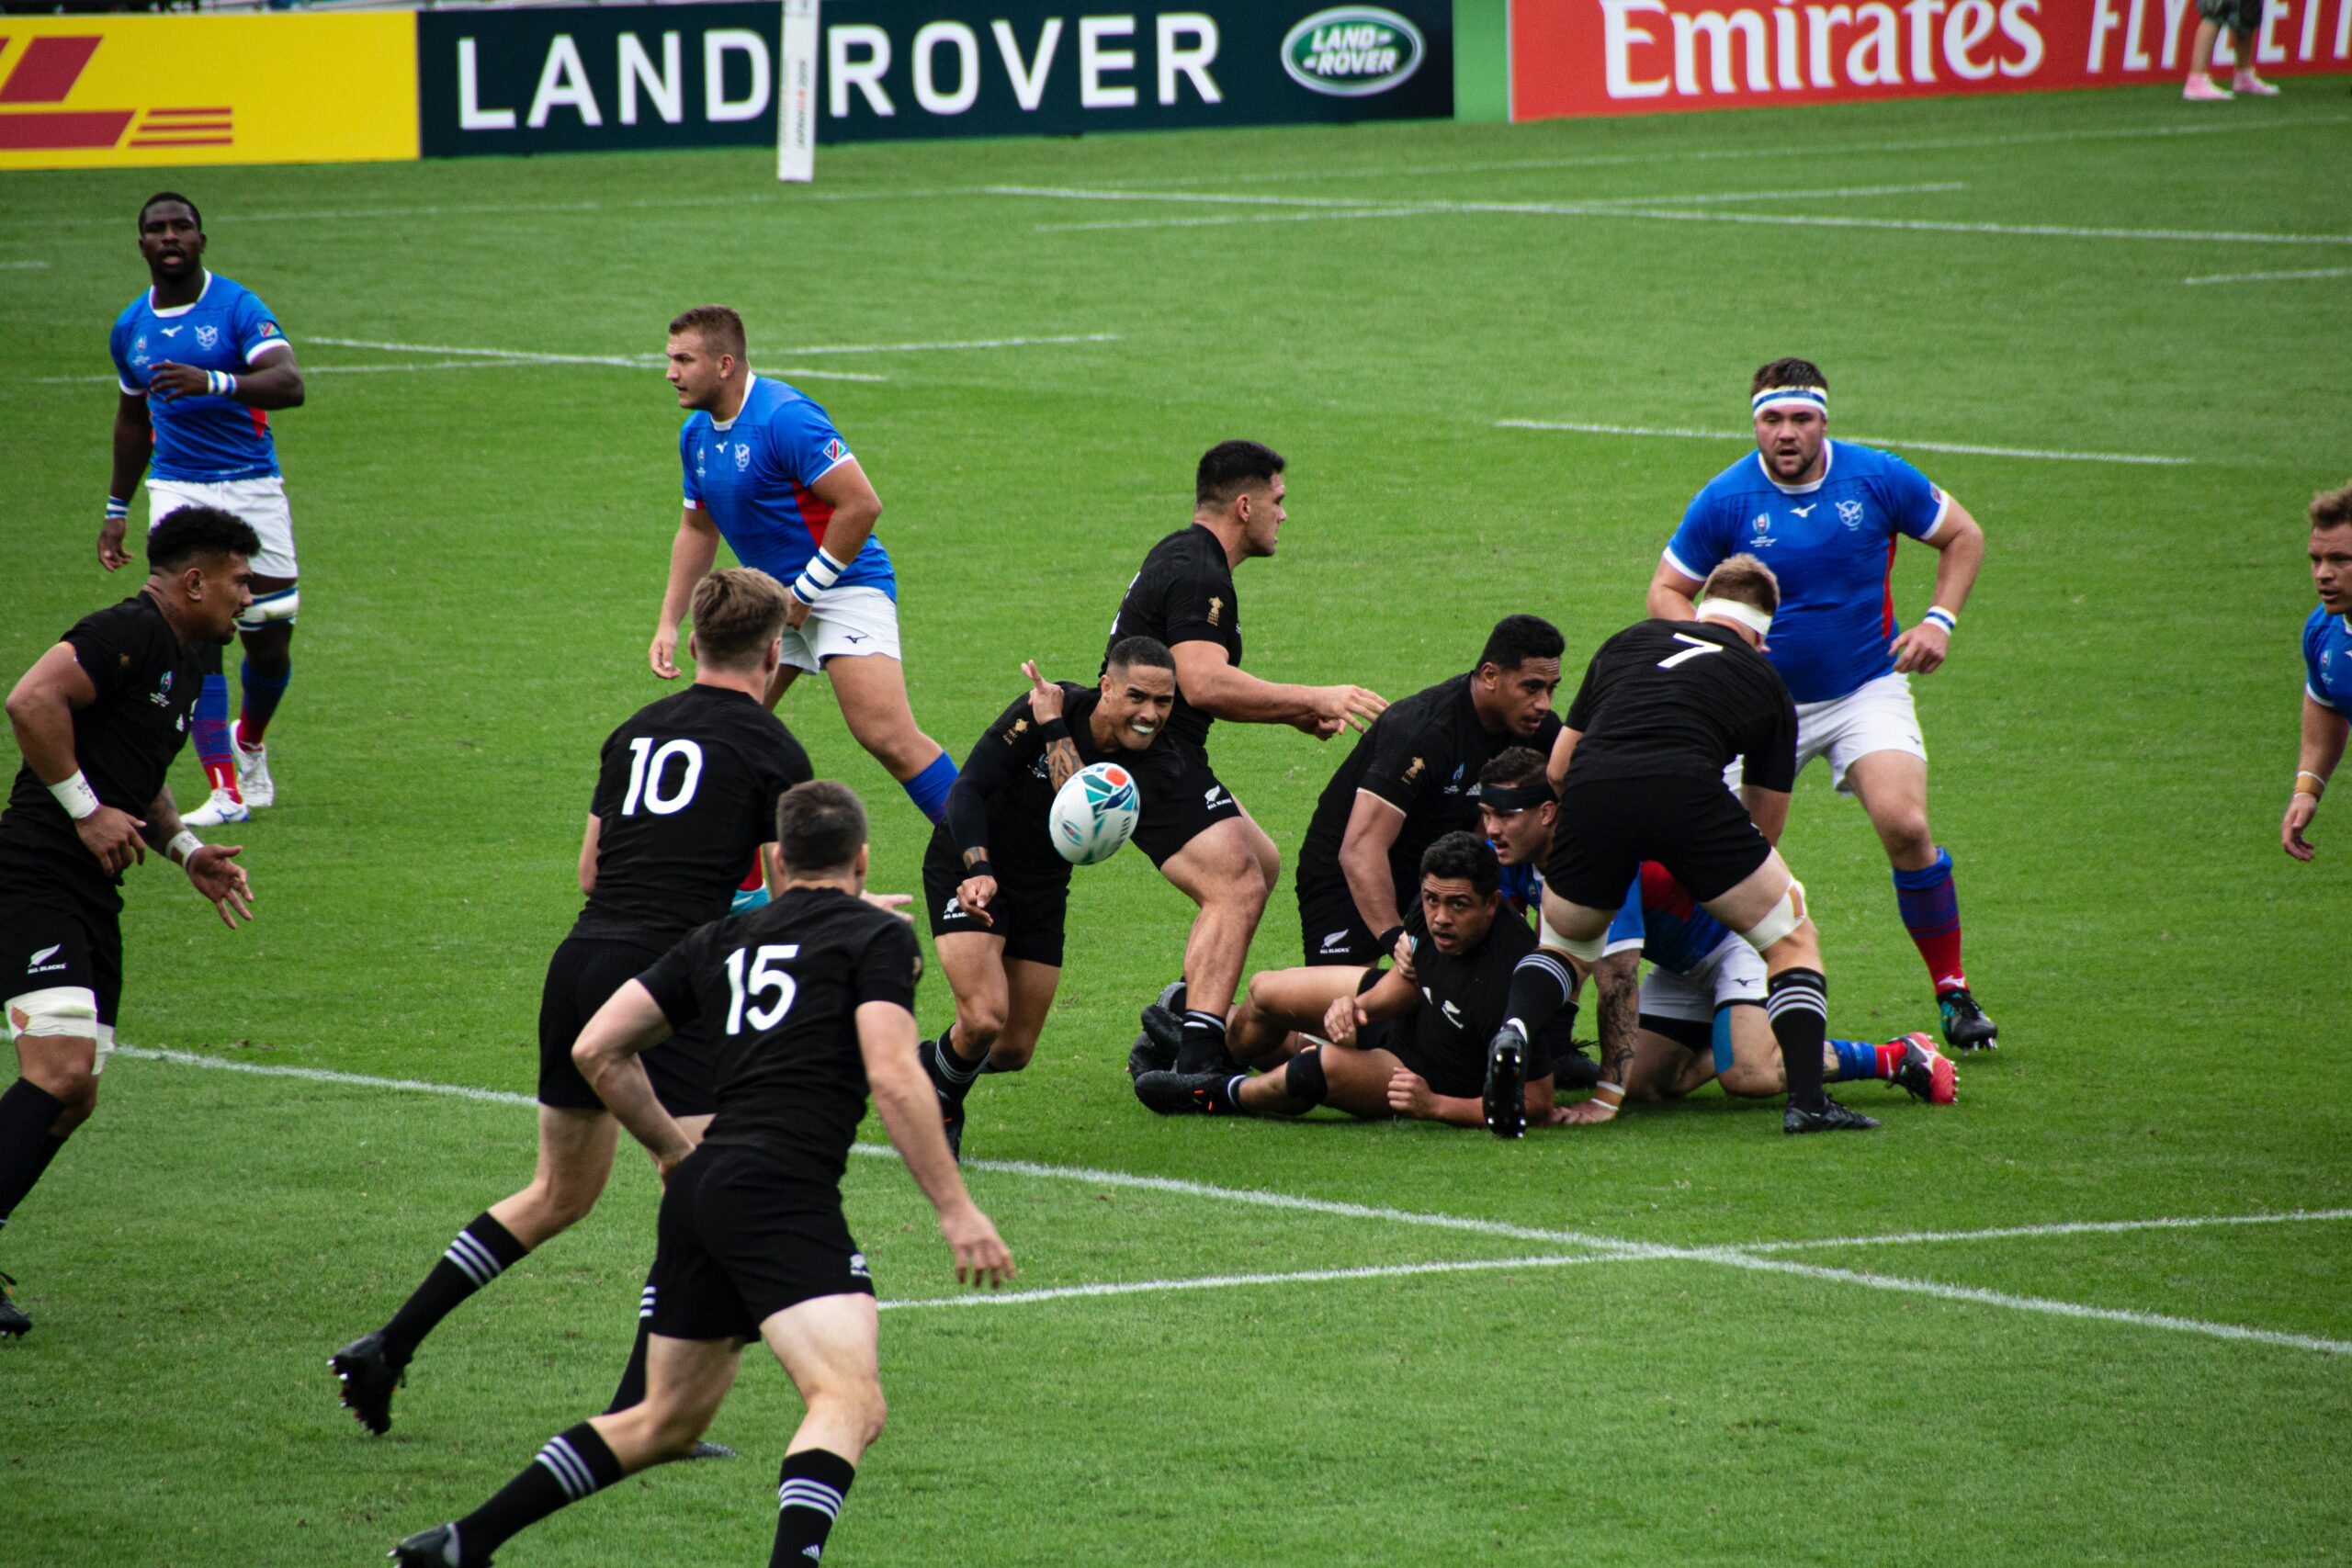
<point x="1697" y="646"/>
<point x="763" y="980"/>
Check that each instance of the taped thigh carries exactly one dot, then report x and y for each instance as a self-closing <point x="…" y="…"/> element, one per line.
<point x="1780" y="920"/>
<point x="1590" y="951"/>
<point x="66" y="1012"/>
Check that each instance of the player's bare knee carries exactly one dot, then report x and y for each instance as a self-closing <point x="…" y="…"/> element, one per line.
<point x="1905" y="835"/>
<point x="1749" y="1082"/>
<point x="1011" y="1053"/>
<point x="979" y="1023"/>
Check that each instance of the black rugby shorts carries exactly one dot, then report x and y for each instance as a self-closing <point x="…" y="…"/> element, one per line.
<point x="1695" y="828"/>
<point x="1029" y="910"/>
<point x="582" y="977"/>
<point x="741" y="1241"/>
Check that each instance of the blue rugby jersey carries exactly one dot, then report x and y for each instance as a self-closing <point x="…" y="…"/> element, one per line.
<point x="2327" y="660"/>
<point x="1673" y="932"/>
<point x="752" y="476"/>
<point x="201" y="439"/>
<point x="1832" y="545"/>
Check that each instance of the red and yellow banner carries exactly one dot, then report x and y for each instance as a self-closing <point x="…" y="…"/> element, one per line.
<point x="113" y="91"/>
<point x="1598" y="56"/>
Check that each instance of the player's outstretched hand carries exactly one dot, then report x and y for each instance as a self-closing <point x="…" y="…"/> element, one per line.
<point x="1044" y="696"/>
<point x="218" y="876"/>
<point x="113" y="837"/>
<point x="1341" y="1021"/>
<point x="111" y="555"/>
<point x="663" y="654"/>
<point x="1921" y="650"/>
<point x="892" y="903"/>
<point x="175" y="380"/>
<point x="981" y="1257"/>
<point x="1583" y="1113"/>
<point x="2300" y="808"/>
<point x="1409" y="1094"/>
<point x="973" y="895"/>
<point x="1349" y="705"/>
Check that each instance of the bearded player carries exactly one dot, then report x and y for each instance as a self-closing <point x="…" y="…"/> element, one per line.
<point x="1826" y="516"/>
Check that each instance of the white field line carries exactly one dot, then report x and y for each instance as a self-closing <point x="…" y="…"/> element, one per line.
<point x="1353" y="209"/>
<point x="2271" y="277"/>
<point x="1605" y="1248"/>
<point x="23" y="265"/>
<point x="806" y="351"/>
<point x="2054" y="457"/>
<point x="1237" y="1282"/>
<point x="412" y="366"/>
<point x="2071" y="1227"/>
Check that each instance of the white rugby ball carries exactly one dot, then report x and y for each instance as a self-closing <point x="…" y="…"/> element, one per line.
<point x="1094" y="814"/>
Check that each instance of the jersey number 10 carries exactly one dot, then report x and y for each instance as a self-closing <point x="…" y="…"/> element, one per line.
<point x="764" y="979"/>
<point x="647" y="768"/>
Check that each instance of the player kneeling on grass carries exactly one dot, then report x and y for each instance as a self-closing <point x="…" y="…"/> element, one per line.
<point x="998" y="889"/>
<point x="1401" y="1042"/>
<point x="810" y="1002"/>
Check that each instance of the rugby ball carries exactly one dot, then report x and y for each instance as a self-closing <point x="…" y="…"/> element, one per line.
<point x="1094" y="814"/>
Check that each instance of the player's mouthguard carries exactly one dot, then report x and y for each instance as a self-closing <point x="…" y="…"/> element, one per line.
<point x="1747" y="615"/>
<point x="1770" y="398"/>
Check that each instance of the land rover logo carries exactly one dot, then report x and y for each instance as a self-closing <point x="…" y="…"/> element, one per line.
<point x="1352" y="52"/>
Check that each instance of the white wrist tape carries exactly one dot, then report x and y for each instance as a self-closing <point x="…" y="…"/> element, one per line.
<point x="219" y="383"/>
<point x="1937" y="615"/>
<point x="821" y="573"/>
<point x="183" y="846"/>
<point x="76" y="796"/>
<point x="118" y="509"/>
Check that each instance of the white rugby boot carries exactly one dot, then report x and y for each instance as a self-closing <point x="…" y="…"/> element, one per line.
<point x="252" y="776"/>
<point x="223" y="807"/>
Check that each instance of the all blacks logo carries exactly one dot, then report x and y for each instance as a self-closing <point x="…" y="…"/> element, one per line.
<point x="1352" y="52"/>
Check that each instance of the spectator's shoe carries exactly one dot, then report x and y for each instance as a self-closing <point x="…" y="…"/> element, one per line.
<point x="368" y="1378"/>
<point x="1150" y="1056"/>
<point x="13" y="1321"/>
<point x="222" y="808"/>
<point x="2246" y="83"/>
<point x="1506" y="1097"/>
<point x="1185" y="1094"/>
<point x="712" y="1451"/>
<point x="1965" y="1026"/>
<point x="1831" y="1118"/>
<point x="254" y="781"/>
<point x="1927" y="1072"/>
<point x="435" y="1547"/>
<point x="2200" y="89"/>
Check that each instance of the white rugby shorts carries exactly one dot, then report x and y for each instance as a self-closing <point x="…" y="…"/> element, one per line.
<point x="1734" y="972"/>
<point x="1877" y="716"/>
<point x="846" y="623"/>
<point x="260" y="502"/>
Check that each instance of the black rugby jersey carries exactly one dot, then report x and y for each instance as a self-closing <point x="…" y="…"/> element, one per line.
<point x="124" y="743"/>
<point x="1004" y="794"/>
<point x="685" y="796"/>
<point x="1666" y="699"/>
<point x="1464" y="996"/>
<point x="776" y="992"/>
<point x="1183" y="594"/>
<point x="1421" y="756"/>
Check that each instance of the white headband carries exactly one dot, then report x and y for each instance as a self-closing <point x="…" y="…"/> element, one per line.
<point x="1747" y="615"/>
<point x="1814" y="398"/>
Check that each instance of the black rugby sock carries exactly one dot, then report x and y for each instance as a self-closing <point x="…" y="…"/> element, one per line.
<point x="27" y="1114"/>
<point x="957" y="1068"/>
<point x="631" y="1391"/>
<point x="481" y="1252"/>
<point x="1542" y="987"/>
<point x="1203" y="1047"/>
<point x="574" y="1463"/>
<point x="1798" y="1003"/>
<point x="809" y="1500"/>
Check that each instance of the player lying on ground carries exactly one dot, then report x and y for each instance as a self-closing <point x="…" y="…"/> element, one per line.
<point x="1401" y="1042"/>
<point x="686" y="793"/>
<point x="1700" y="1012"/>
<point x="1184" y="596"/>
<point x="2327" y="667"/>
<point x="201" y="363"/>
<point x="1665" y="707"/>
<point x="767" y="471"/>
<point x="999" y="890"/>
<point x="1411" y="779"/>
<point x="810" y="1003"/>
<point x="97" y="720"/>
<point x="1828" y="515"/>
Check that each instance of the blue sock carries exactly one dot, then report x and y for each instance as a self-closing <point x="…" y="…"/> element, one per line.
<point x="1930" y="908"/>
<point x="1855" y="1060"/>
<point x="928" y="789"/>
<point x="262" y="694"/>
<point x="211" y="733"/>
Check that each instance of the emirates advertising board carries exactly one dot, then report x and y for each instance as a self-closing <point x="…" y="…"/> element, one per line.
<point x="562" y="78"/>
<point x="1605" y="57"/>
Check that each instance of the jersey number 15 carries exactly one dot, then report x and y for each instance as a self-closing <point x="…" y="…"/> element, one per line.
<point x="764" y="979"/>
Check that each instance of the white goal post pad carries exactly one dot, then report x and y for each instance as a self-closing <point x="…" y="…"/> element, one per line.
<point x="795" y="98"/>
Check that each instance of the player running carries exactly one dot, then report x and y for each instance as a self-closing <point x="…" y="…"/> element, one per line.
<point x="1405" y="1042"/>
<point x="99" y="719"/>
<point x="999" y="890"/>
<point x="767" y="471"/>
<point x="1411" y="779"/>
<point x="1701" y="1011"/>
<point x="201" y="362"/>
<point x="1828" y="516"/>
<point x="810" y="1002"/>
<point x="685" y="795"/>
<point x="2327" y="667"/>
<point x="1184" y="596"/>
<point x="1665" y="707"/>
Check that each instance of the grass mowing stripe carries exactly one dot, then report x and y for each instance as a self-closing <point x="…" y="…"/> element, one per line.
<point x="1237" y="1281"/>
<point x="2133" y="457"/>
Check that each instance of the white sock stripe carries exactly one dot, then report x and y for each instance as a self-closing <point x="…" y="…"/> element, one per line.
<point x="801" y="1492"/>
<point x="1206" y="1019"/>
<point x="570" y="1470"/>
<point x="474" y="1258"/>
<point x="1559" y="972"/>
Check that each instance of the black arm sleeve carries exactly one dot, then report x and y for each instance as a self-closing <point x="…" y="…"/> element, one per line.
<point x="1007" y="746"/>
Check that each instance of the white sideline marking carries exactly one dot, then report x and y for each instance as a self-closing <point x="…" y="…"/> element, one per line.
<point x="1235" y="1282"/>
<point x="1604" y="1249"/>
<point x="411" y="368"/>
<point x="2070" y="1227"/>
<point x="638" y="361"/>
<point x="2271" y="277"/>
<point x="2135" y="457"/>
<point x="23" y="265"/>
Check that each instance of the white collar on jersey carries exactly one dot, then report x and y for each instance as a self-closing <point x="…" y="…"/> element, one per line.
<point x="167" y="311"/>
<point x="1829" y="455"/>
<point x="749" y="382"/>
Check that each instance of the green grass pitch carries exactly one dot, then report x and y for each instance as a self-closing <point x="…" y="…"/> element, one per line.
<point x="483" y="540"/>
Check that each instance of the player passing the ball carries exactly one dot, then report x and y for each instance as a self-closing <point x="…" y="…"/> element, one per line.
<point x="2327" y="667"/>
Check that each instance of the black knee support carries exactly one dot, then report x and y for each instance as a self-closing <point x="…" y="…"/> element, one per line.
<point x="1303" y="1079"/>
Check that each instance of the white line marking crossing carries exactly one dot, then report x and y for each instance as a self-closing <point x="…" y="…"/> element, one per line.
<point x="2271" y="277"/>
<point x="1237" y="1281"/>
<point x="411" y="367"/>
<point x="2053" y="456"/>
<point x="1603" y="1249"/>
